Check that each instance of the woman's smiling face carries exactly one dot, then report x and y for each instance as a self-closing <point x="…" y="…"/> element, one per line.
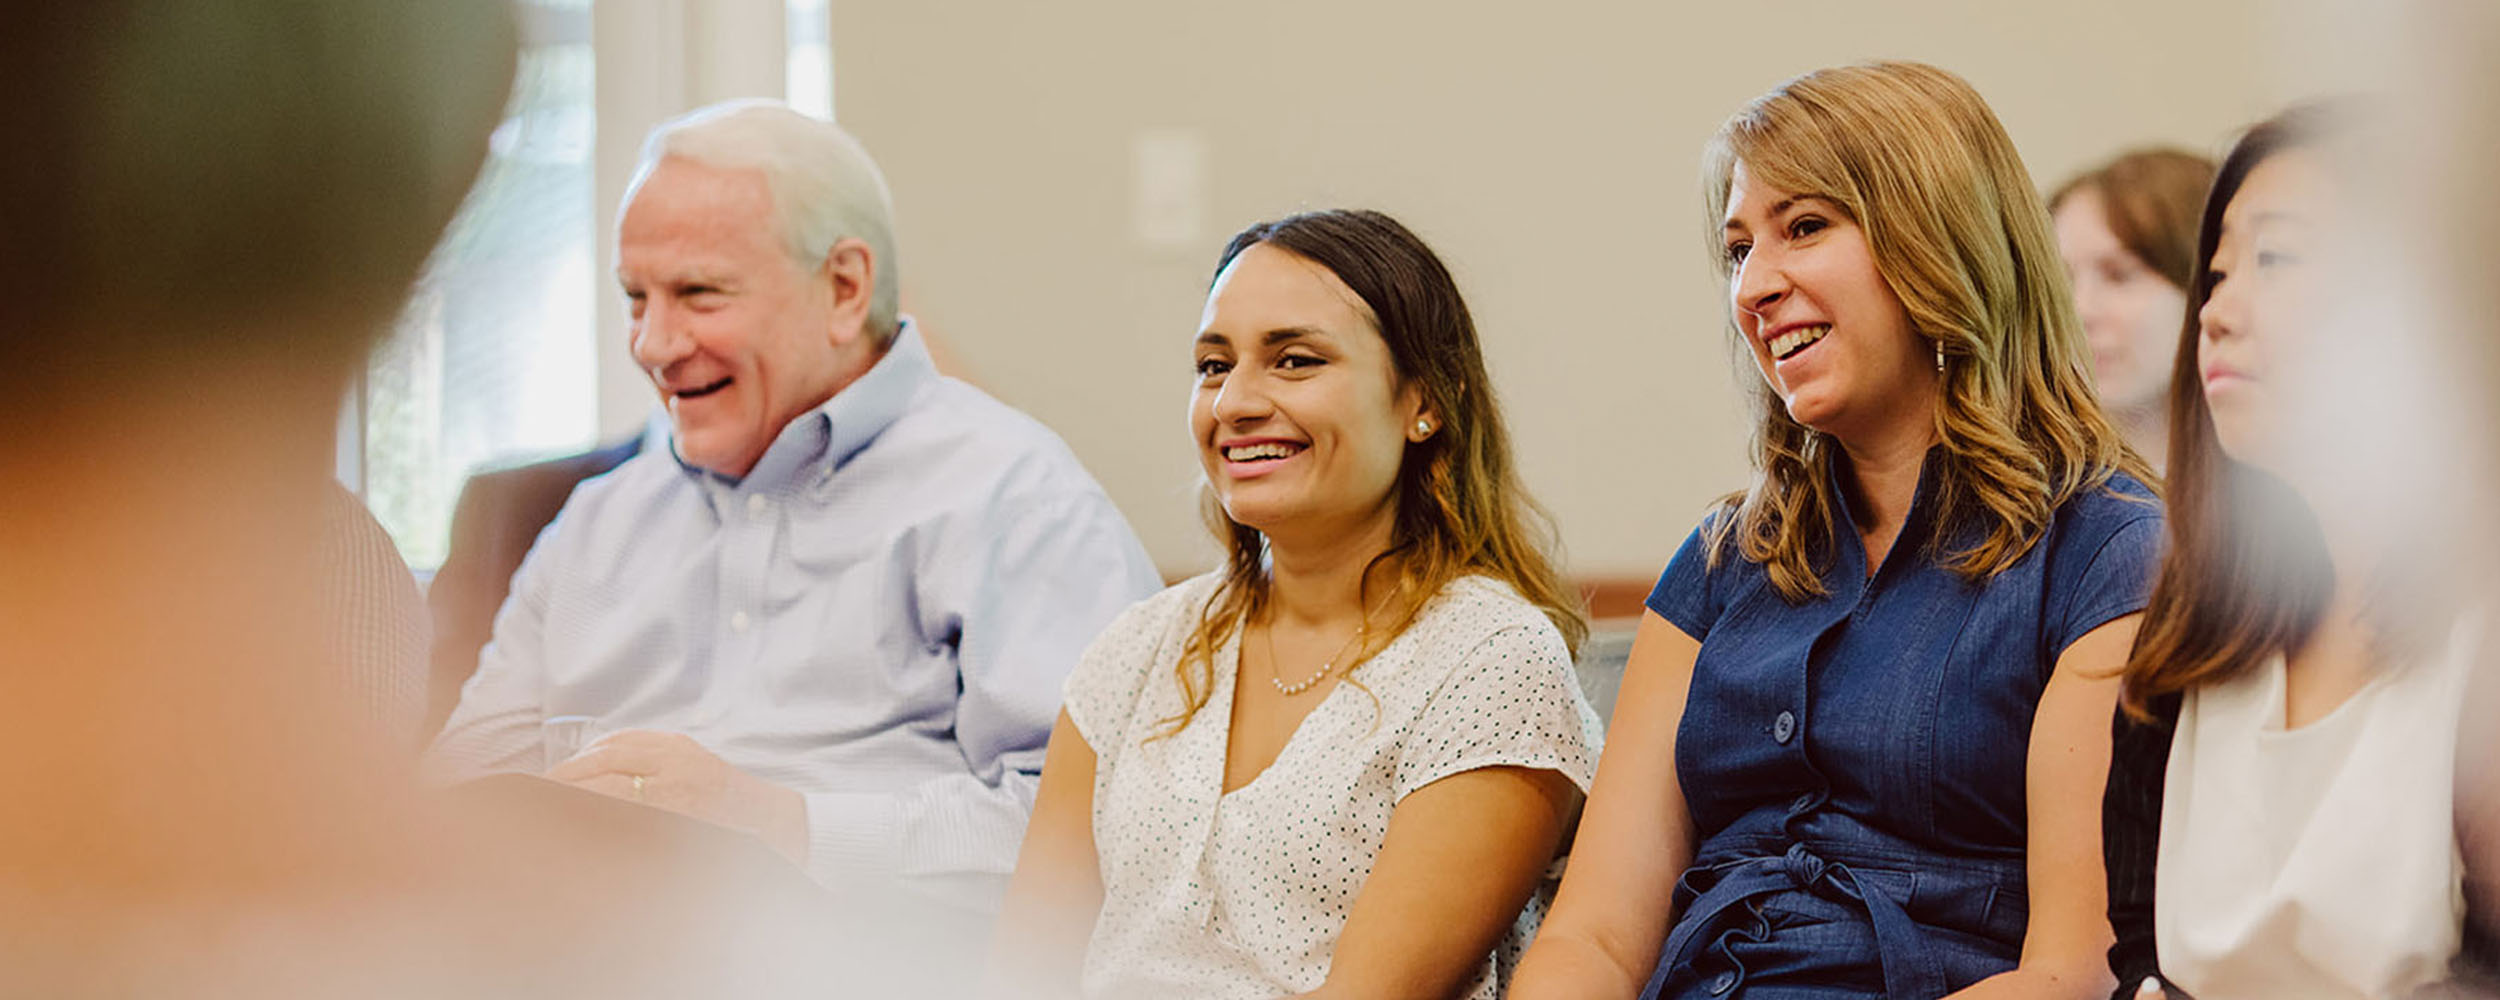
<point x="1824" y="326"/>
<point x="1298" y="412"/>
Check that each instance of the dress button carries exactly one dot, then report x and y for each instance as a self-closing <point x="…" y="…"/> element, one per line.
<point x="1725" y="982"/>
<point x="738" y="622"/>
<point x="757" y="505"/>
<point x="1784" y="727"/>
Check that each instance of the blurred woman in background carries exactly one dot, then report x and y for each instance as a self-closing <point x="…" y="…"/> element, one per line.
<point x="2127" y="230"/>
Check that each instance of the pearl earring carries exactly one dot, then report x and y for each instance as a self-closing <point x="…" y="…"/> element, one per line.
<point x="1423" y="428"/>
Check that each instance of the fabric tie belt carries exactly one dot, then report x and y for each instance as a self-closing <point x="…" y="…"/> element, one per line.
<point x="1911" y="971"/>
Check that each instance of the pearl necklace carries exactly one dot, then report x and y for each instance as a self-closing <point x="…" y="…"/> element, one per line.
<point x="1325" y="668"/>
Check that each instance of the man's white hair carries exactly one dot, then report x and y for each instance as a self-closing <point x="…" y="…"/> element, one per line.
<point x="823" y="185"/>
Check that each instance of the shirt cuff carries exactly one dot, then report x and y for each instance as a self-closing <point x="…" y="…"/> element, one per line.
<point x="850" y="834"/>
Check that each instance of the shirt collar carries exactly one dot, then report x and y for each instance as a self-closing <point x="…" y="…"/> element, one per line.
<point x="812" y="446"/>
<point x="658" y="434"/>
<point x="1915" y="529"/>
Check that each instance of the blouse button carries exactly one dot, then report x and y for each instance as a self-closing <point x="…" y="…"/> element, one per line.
<point x="1784" y="727"/>
<point x="1725" y="982"/>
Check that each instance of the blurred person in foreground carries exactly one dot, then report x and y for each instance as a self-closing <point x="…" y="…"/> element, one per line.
<point x="2282" y="810"/>
<point x="2127" y="230"/>
<point x="2461" y="93"/>
<point x="213" y="211"/>
<point x="835" y="607"/>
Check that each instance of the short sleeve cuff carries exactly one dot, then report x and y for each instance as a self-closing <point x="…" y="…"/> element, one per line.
<point x="1581" y="768"/>
<point x="1516" y="703"/>
<point x="2096" y="615"/>
<point x="2117" y="582"/>
<point x="1682" y="595"/>
<point x="1077" y="700"/>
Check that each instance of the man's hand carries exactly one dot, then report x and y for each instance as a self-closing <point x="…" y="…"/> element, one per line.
<point x="671" y="771"/>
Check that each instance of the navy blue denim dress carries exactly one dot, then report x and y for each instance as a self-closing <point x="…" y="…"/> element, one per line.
<point x="1855" y="764"/>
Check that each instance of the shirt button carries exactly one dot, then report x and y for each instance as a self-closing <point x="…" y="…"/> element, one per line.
<point x="738" y="622"/>
<point x="757" y="505"/>
<point x="1726" y="981"/>
<point x="1784" y="727"/>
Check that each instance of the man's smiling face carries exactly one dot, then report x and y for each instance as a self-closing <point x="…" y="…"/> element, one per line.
<point x="737" y="336"/>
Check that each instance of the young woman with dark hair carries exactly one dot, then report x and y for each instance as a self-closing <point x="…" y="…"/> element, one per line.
<point x="2280" y="814"/>
<point x="1338" y="765"/>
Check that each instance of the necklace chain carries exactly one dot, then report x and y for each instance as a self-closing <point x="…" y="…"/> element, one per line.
<point x="1326" y="667"/>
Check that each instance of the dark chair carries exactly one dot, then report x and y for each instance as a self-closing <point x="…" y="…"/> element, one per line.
<point x="499" y="517"/>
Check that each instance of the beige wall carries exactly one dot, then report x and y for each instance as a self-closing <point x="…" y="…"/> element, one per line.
<point x="1548" y="150"/>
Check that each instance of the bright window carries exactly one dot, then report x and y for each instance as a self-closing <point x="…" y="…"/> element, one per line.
<point x="493" y="359"/>
<point x="810" y="87"/>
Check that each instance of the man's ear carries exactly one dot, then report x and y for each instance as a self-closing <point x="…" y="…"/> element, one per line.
<point x="850" y="274"/>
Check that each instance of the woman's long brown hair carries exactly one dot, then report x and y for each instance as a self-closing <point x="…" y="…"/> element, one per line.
<point x="1461" y="507"/>
<point x="2246" y="573"/>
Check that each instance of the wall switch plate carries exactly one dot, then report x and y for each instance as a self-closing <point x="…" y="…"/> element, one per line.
<point x="1168" y="206"/>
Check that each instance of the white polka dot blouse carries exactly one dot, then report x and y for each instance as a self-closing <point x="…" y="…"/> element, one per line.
<point x="1209" y="894"/>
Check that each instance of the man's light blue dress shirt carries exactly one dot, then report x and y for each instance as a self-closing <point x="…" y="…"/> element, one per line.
<point x="879" y="616"/>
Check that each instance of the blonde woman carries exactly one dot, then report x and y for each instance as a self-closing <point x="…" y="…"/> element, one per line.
<point x="1339" y="765"/>
<point x="1860" y="744"/>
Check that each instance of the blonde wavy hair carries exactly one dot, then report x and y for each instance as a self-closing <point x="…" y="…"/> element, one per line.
<point x="1461" y="506"/>
<point x="1915" y="158"/>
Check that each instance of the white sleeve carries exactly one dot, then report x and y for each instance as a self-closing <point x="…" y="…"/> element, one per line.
<point x="1109" y="681"/>
<point x="1515" y="702"/>
<point x="495" y="728"/>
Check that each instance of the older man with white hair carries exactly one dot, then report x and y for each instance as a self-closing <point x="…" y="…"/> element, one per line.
<point x="835" y="607"/>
